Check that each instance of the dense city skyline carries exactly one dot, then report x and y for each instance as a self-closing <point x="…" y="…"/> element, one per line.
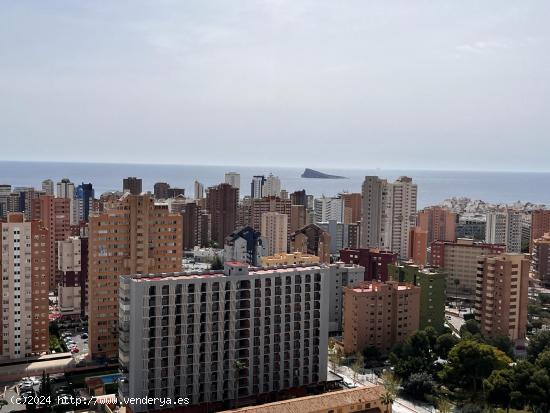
<point x="230" y="85"/>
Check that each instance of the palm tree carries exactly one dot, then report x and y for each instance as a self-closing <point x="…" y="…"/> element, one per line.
<point x="444" y="406"/>
<point x="387" y="399"/>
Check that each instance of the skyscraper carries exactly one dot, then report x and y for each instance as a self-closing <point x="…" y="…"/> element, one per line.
<point x="132" y="185"/>
<point x="272" y="186"/>
<point x="25" y="268"/>
<point x="504" y="227"/>
<point x="540" y="224"/>
<point x="84" y="196"/>
<point x="274" y="229"/>
<point x="376" y="213"/>
<point x="55" y="214"/>
<point x="329" y="208"/>
<point x="352" y="207"/>
<point x="299" y="198"/>
<point x="501" y="296"/>
<point x="72" y="291"/>
<point x="541" y="259"/>
<point x="438" y="222"/>
<point x="160" y="190"/>
<point x="403" y="214"/>
<point x="233" y="179"/>
<point x="199" y="190"/>
<point x="221" y="204"/>
<point x="131" y="236"/>
<point x="48" y="187"/>
<point x="257" y="186"/>
<point x="418" y="252"/>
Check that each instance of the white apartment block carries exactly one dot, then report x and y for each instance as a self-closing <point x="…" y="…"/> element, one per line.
<point x="272" y="186"/>
<point x="341" y="276"/>
<point x="388" y="213"/>
<point x="403" y="214"/>
<point x="505" y="227"/>
<point x="223" y="335"/>
<point x="233" y="179"/>
<point x="274" y="229"/>
<point x="328" y="208"/>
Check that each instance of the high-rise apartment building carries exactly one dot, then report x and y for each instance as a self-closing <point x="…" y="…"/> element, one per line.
<point x="540" y="224"/>
<point x="388" y="213"/>
<point x="217" y="337"/>
<point x="272" y="186"/>
<point x="471" y="226"/>
<point x="48" y="187"/>
<point x="374" y="261"/>
<point x="72" y="290"/>
<point x="55" y="214"/>
<point x="502" y="296"/>
<point x="21" y="200"/>
<point x="311" y="239"/>
<point x="160" y="190"/>
<point x="25" y="269"/>
<point x="233" y="179"/>
<point x="297" y="219"/>
<point x="131" y="236"/>
<point x="541" y="260"/>
<point x="328" y="208"/>
<point x="341" y="275"/>
<point x="221" y="204"/>
<point x="132" y="185"/>
<point x="257" y="186"/>
<point x="418" y="252"/>
<point x="196" y="226"/>
<point x="438" y="222"/>
<point x="403" y="214"/>
<point x="352" y="207"/>
<point x="432" y="283"/>
<point x="258" y="207"/>
<point x="299" y="198"/>
<point x="504" y="227"/>
<point x="65" y="189"/>
<point x="379" y="315"/>
<point x="274" y="229"/>
<point x="199" y="190"/>
<point x="5" y="191"/>
<point x="459" y="261"/>
<point x="245" y="245"/>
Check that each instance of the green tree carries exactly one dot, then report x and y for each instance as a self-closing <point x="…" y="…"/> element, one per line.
<point x="469" y="362"/>
<point x="371" y="354"/>
<point x="414" y="355"/>
<point x="216" y="264"/>
<point x="503" y="343"/>
<point x="387" y="400"/>
<point x="419" y="385"/>
<point x="498" y="388"/>
<point x="470" y="328"/>
<point x="444" y="344"/>
<point x="537" y="344"/>
<point x="335" y="356"/>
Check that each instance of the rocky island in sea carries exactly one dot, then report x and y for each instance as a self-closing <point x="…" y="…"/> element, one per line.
<point x="311" y="173"/>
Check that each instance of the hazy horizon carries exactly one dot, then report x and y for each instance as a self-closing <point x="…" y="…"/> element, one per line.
<point x="457" y="86"/>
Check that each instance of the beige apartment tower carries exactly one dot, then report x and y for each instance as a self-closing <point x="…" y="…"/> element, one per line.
<point x="501" y="295"/>
<point x="131" y="236"/>
<point x="274" y="229"/>
<point x="25" y="268"/>
<point x="379" y="315"/>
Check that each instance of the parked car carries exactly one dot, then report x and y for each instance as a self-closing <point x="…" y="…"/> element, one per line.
<point x="84" y="335"/>
<point x="75" y="350"/>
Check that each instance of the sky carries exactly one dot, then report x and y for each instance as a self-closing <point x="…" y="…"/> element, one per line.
<point x="440" y="84"/>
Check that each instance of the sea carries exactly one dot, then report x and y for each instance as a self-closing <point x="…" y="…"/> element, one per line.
<point x="433" y="186"/>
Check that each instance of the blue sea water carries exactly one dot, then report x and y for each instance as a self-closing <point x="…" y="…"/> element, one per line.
<point x="433" y="186"/>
